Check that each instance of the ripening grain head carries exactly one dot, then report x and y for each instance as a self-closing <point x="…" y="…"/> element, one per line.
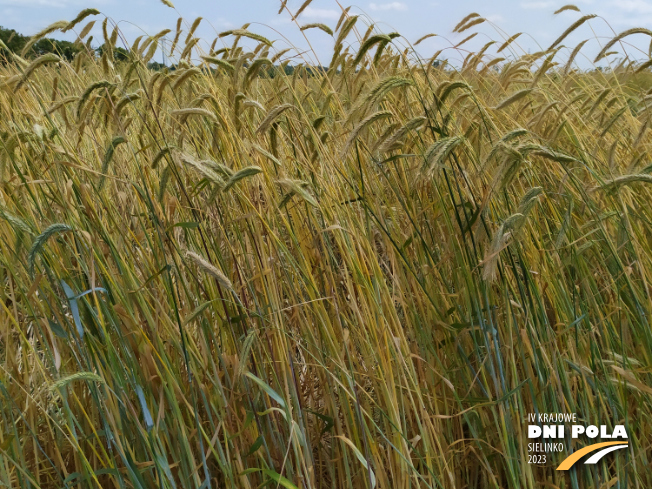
<point x="205" y="266"/>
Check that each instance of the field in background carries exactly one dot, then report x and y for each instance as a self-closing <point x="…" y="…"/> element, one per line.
<point x="238" y="273"/>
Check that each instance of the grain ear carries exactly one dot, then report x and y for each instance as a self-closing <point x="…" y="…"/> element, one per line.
<point x="605" y="49"/>
<point x="57" y="26"/>
<point x="567" y="8"/>
<point x="571" y="29"/>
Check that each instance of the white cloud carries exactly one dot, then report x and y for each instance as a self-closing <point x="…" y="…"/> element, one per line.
<point x="495" y="18"/>
<point x="387" y="6"/>
<point x="538" y="5"/>
<point x="635" y="6"/>
<point x="280" y="21"/>
<point x="37" y="3"/>
<point x="320" y="13"/>
<point x="554" y="5"/>
<point x="222" y="22"/>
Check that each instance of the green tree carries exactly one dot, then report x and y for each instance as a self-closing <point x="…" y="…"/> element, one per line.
<point x="16" y="43"/>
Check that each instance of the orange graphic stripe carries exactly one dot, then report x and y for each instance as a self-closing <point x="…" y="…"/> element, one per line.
<point x="571" y="459"/>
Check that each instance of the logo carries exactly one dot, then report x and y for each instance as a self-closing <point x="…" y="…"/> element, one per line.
<point x="550" y="432"/>
<point x="604" y="449"/>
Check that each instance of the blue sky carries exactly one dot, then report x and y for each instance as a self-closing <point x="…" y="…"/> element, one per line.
<point x="412" y="18"/>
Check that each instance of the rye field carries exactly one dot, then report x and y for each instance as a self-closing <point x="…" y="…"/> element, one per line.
<point x="246" y="270"/>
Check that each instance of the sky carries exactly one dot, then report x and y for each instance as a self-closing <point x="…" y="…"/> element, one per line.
<point x="411" y="18"/>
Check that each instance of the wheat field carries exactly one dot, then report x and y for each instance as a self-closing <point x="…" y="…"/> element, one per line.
<point x="252" y="271"/>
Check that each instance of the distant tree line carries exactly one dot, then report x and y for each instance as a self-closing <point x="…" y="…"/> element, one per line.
<point x="16" y="43"/>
